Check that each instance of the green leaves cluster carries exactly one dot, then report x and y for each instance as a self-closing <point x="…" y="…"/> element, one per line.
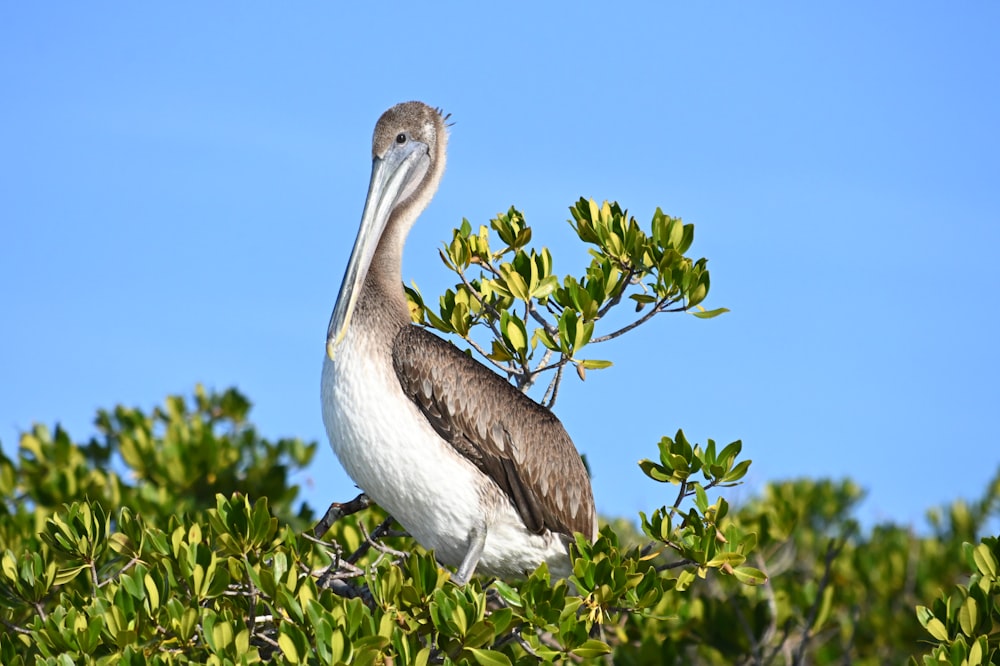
<point x="178" y="455"/>
<point x="232" y="583"/>
<point x="89" y="582"/>
<point x="701" y="535"/>
<point x="106" y="552"/>
<point x="965" y="622"/>
<point x="537" y="322"/>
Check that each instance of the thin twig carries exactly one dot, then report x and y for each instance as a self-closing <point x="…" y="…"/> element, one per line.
<point x="14" y="627"/>
<point x="660" y="307"/>
<point x="267" y="639"/>
<point x="681" y="494"/>
<point x="505" y="367"/>
<point x="253" y="598"/>
<point x="554" y="386"/>
<point x="550" y="328"/>
<point x="93" y="575"/>
<point x="131" y="563"/>
<point x="674" y="565"/>
<point x="369" y="540"/>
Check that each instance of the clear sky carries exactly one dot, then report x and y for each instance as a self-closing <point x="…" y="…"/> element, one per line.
<point x="180" y="186"/>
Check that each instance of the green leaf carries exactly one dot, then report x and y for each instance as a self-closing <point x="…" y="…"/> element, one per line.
<point x="546" y="339"/>
<point x="824" y="609"/>
<point x="545" y="287"/>
<point x="738" y="472"/>
<point x="968" y="616"/>
<point x="222" y="635"/>
<point x="287" y="646"/>
<point x="709" y="314"/>
<point x="655" y="471"/>
<point x="592" y="648"/>
<point x="508" y="593"/>
<point x="515" y="283"/>
<point x="749" y="575"/>
<point x="936" y="628"/>
<point x="515" y="332"/>
<point x="489" y="657"/>
<point x="985" y="561"/>
<point x="67" y="574"/>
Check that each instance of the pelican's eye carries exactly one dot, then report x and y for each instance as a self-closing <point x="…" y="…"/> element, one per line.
<point x="401" y="138"/>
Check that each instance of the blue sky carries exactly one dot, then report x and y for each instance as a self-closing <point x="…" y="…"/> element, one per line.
<point x="180" y="186"/>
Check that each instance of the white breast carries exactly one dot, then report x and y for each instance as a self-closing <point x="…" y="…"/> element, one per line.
<point x="390" y="450"/>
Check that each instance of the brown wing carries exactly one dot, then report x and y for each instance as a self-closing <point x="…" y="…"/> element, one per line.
<point x="515" y="441"/>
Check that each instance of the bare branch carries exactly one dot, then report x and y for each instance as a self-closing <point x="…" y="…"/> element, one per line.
<point x="93" y="575"/>
<point x="676" y="564"/>
<point x="660" y="307"/>
<point x="549" y="327"/>
<point x="251" y="625"/>
<point x="371" y="541"/>
<point x="131" y="563"/>
<point x="681" y="494"/>
<point x="337" y="511"/>
<point x="553" y="390"/>
<point x="14" y="627"/>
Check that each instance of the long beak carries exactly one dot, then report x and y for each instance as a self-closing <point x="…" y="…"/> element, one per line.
<point x="394" y="177"/>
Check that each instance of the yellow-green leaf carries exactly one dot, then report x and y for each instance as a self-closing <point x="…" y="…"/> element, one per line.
<point x="287" y="646"/>
<point x="489" y="657"/>
<point x="936" y="628"/>
<point x="592" y="648"/>
<point x="749" y="576"/>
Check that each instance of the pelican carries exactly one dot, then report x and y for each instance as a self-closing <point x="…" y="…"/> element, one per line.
<point x="467" y="464"/>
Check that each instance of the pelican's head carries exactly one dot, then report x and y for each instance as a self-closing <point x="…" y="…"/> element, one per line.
<point x="408" y="156"/>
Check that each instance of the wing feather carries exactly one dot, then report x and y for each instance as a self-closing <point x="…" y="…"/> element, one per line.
<point x="515" y="441"/>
